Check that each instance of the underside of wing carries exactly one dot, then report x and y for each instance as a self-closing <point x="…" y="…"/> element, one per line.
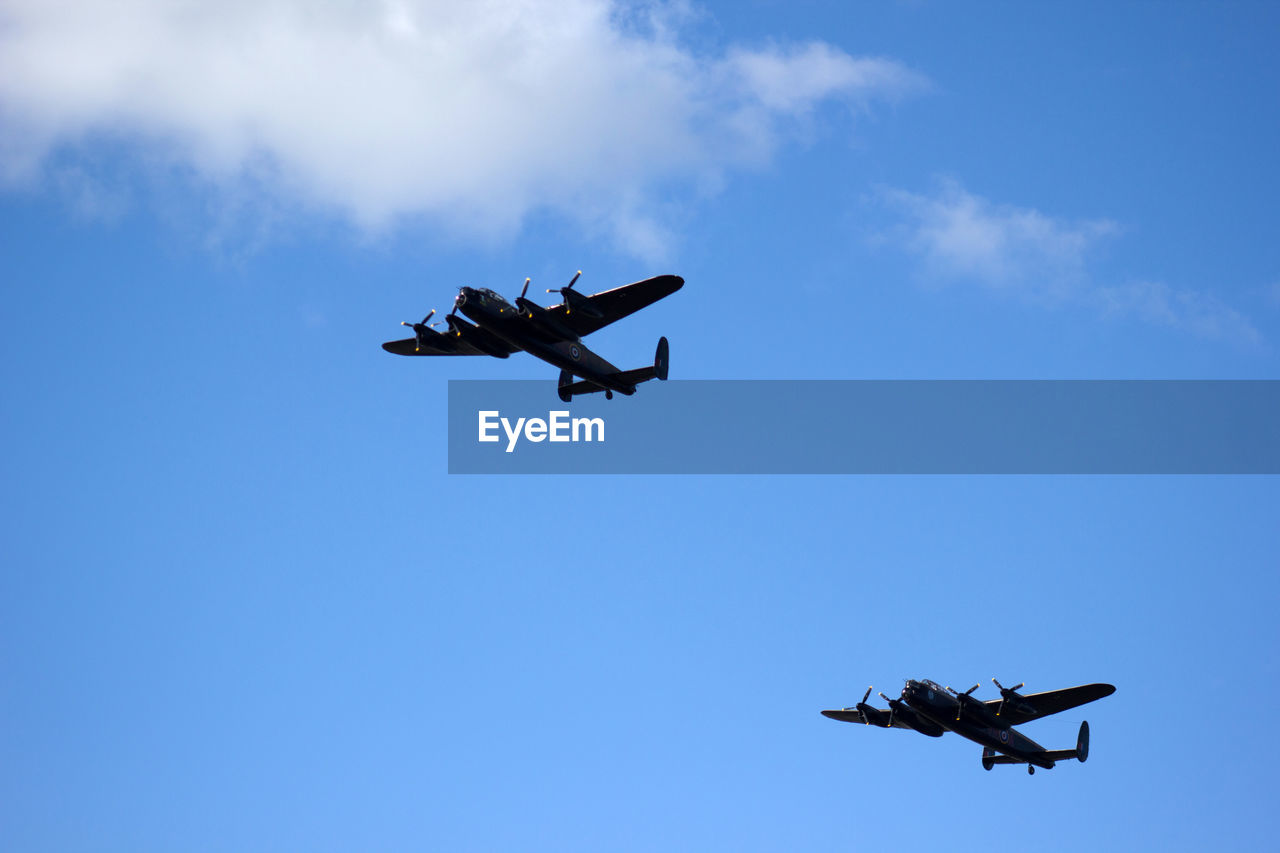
<point x="852" y="715"/>
<point x="1050" y="702"/>
<point x="612" y="305"/>
<point x="410" y="346"/>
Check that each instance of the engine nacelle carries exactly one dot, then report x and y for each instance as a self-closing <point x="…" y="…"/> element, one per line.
<point x="543" y="319"/>
<point x="908" y="717"/>
<point x="475" y="336"/>
<point x="872" y="716"/>
<point x="976" y="709"/>
<point x="575" y="301"/>
<point x="424" y="336"/>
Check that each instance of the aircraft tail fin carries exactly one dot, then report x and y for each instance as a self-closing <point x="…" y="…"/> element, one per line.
<point x="1082" y="743"/>
<point x="991" y="758"/>
<point x="568" y="389"/>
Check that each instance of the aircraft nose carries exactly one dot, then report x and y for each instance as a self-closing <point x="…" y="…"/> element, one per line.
<point x="461" y="298"/>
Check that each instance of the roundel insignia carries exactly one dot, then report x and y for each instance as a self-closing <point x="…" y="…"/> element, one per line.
<point x="575" y="352"/>
<point x="1004" y="736"/>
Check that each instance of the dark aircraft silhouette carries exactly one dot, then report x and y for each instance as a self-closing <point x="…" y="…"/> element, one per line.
<point x="932" y="711"/>
<point x="553" y="334"/>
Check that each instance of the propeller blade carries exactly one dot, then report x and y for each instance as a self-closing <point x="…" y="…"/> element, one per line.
<point x="893" y="709"/>
<point x="524" y="289"/>
<point x="864" y="696"/>
<point x="1006" y="692"/>
<point x="568" y="286"/>
<point x="961" y="697"/>
<point x="1013" y="689"/>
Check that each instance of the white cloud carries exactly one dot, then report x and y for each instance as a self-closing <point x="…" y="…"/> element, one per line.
<point x="962" y="237"/>
<point x="1200" y="313"/>
<point x="474" y="114"/>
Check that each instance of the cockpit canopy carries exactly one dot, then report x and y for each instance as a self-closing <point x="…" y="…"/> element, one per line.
<point x="486" y="293"/>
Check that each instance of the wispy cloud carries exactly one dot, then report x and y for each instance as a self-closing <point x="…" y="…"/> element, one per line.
<point x="960" y="237"/>
<point x="1198" y="312"/>
<point x="1272" y="294"/>
<point x="471" y="114"/>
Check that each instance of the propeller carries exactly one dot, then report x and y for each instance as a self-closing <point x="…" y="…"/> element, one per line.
<point x="962" y="697"/>
<point x="453" y="313"/>
<point x="419" y="328"/>
<point x="564" y="291"/>
<point x="524" y="309"/>
<point x="862" y="707"/>
<point x="568" y="286"/>
<point x="893" y="707"/>
<point x="1006" y="692"/>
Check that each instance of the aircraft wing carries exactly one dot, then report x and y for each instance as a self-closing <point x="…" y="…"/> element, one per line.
<point x="615" y="304"/>
<point x="851" y="715"/>
<point x="1051" y="702"/>
<point x="409" y="346"/>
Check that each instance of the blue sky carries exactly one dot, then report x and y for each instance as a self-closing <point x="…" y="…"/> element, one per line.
<point x="243" y="606"/>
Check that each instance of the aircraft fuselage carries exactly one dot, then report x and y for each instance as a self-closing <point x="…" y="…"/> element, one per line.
<point x="538" y="335"/>
<point x="975" y="722"/>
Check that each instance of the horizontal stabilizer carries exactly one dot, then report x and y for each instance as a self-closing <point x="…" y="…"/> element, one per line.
<point x="569" y="389"/>
<point x="1050" y="754"/>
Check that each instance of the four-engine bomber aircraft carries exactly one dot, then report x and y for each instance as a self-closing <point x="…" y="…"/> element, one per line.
<point x="553" y="334"/>
<point x="931" y="710"/>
